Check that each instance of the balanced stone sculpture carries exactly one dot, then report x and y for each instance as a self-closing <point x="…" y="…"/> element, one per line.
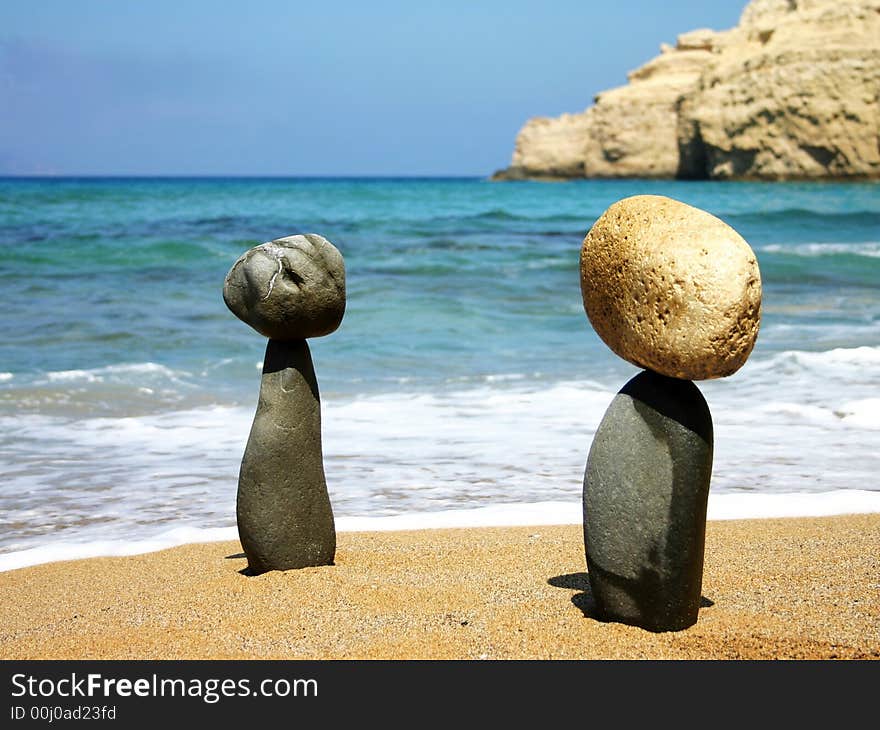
<point x="676" y="291"/>
<point x="288" y="290"/>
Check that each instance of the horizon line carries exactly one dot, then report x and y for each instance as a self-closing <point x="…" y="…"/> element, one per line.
<point x="237" y="176"/>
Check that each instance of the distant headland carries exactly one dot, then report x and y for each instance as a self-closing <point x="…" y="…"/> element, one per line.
<point x="791" y="93"/>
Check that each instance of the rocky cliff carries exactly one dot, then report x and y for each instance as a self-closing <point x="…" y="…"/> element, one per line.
<point x="792" y="92"/>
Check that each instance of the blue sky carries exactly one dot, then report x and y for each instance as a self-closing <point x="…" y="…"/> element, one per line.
<point x="303" y="88"/>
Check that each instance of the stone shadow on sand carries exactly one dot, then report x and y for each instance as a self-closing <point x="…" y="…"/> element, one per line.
<point x="584" y="600"/>
<point x="246" y="571"/>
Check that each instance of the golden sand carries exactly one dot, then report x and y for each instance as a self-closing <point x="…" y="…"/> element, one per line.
<point x="792" y="588"/>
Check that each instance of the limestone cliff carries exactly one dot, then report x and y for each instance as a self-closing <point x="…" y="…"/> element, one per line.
<point x="793" y="92"/>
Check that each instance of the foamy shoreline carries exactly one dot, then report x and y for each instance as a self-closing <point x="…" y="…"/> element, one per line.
<point x="722" y="506"/>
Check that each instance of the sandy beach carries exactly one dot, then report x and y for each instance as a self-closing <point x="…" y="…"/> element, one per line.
<point x="773" y="588"/>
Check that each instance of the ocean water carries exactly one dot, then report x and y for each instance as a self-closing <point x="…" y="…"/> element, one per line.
<point x="465" y="375"/>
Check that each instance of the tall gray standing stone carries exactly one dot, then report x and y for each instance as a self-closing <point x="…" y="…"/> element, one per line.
<point x="283" y="509"/>
<point x="288" y="289"/>
<point x="646" y="489"/>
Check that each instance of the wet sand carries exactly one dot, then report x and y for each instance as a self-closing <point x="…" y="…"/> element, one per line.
<point x="773" y="588"/>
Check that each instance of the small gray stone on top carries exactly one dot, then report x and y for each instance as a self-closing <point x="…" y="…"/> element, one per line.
<point x="290" y="288"/>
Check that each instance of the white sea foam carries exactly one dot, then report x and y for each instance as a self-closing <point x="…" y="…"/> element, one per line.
<point x="58" y="551"/>
<point x="67" y="375"/>
<point x="721" y="507"/>
<point x="6" y="376"/>
<point x="870" y="249"/>
<point x="757" y="505"/>
<point x="794" y="422"/>
<point x="826" y="362"/>
<point x="97" y="375"/>
<point x="864" y="413"/>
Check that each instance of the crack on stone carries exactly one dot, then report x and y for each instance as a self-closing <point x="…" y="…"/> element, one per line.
<point x="274" y="276"/>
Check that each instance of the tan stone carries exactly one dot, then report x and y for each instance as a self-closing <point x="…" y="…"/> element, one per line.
<point x="671" y="288"/>
<point x="701" y="39"/>
<point x="549" y="148"/>
<point x="795" y="95"/>
<point x="632" y="129"/>
<point x="792" y="92"/>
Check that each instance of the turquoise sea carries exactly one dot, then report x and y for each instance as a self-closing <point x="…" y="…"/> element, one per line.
<point x="465" y="373"/>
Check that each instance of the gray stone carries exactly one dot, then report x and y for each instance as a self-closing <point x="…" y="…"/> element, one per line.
<point x="645" y="492"/>
<point x="290" y="288"/>
<point x="284" y="515"/>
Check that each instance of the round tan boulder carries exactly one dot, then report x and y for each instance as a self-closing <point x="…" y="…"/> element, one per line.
<point x="671" y="288"/>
